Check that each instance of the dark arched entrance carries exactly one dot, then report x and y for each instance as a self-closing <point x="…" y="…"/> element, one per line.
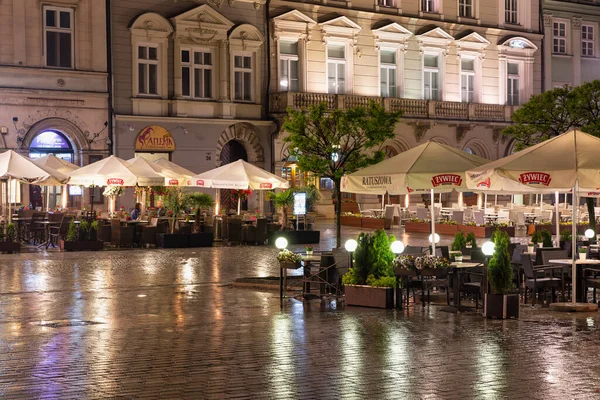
<point x="232" y="151"/>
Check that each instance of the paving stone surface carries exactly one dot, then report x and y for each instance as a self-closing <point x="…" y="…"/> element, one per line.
<point x="167" y="324"/>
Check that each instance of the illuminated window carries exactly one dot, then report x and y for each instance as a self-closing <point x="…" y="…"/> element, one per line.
<point x="147" y="60"/>
<point x="242" y="71"/>
<point x="560" y="38"/>
<point x="510" y="12"/>
<point x="512" y="84"/>
<point x="467" y="80"/>
<point x="428" y="6"/>
<point x="465" y="8"/>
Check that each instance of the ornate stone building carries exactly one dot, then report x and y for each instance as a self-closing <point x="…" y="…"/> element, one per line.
<point x="458" y="69"/>
<point x="53" y="84"/>
<point x="571" y="45"/>
<point x="193" y="72"/>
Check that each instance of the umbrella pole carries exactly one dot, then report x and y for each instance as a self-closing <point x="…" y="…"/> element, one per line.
<point x="261" y="199"/>
<point x="9" y="208"/>
<point x="47" y="198"/>
<point x="217" y="201"/>
<point x="574" y="244"/>
<point x="432" y="214"/>
<point x="239" y="205"/>
<point x="92" y="199"/>
<point x="484" y="202"/>
<point x="556" y="218"/>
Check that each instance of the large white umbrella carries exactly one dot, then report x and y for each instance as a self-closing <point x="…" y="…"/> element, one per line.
<point x="113" y="171"/>
<point x="171" y="168"/>
<point x="57" y="164"/>
<point x="141" y="166"/>
<point x="564" y="163"/>
<point x="432" y="166"/>
<point x="239" y="175"/>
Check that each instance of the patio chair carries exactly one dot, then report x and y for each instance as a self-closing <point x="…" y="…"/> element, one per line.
<point x="104" y="231"/>
<point x="413" y="251"/>
<point x="536" y="279"/>
<point x="434" y="278"/>
<point x="458" y="216"/>
<point x="58" y="232"/>
<point x="478" y="217"/>
<point x="148" y="233"/>
<point x="234" y="230"/>
<point x="37" y="230"/>
<point x="471" y="282"/>
<point x="503" y="216"/>
<point x="422" y="213"/>
<point x="441" y="251"/>
<point x="591" y="279"/>
<point x="121" y="236"/>
<point x="540" y="250"/>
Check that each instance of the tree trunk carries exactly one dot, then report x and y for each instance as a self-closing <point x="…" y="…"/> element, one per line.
<point x="590" y="205"/>
<point x="338" y="213"/>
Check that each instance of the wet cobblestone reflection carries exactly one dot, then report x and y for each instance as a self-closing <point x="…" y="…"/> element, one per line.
<point x="168" y="324"/>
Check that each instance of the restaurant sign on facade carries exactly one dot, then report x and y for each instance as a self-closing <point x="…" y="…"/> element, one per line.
<point x="154" y="138"/>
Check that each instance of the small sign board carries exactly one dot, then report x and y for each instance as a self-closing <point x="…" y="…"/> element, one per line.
<point x="299" y="203"/>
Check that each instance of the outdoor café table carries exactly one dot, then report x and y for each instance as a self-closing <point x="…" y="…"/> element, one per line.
<point x="378" y="212"/>
<point x="283" y="276"/>
<point x="47" y="225"/>
<point x="456" y="268"/>
<point x="580" y="295"/>
<point x="307" y="261"/>
<point x="531" y="217"/>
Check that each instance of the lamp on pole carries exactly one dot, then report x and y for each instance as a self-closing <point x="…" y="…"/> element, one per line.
<point x="351" y="246"/>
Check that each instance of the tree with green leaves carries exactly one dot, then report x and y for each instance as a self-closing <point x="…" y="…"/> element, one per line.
<point x="555" y="112"/>
<point x="202" y="202"/>
<point x="332" y="143"/>
<point x="282" y="201"/>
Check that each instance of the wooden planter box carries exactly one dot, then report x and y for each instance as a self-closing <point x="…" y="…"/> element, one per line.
<point x="478" y="231"/>
<point x="296" y="237"/>
<point x="417" y="227"/>
<point x="368" y="296"/>
<point x="510" y="230"/>
<point x="172" y="240"/>
<point x="351" y="221"/>
<point x="10" y="247"/>
<point x="446" y="229"/>
<point x="373" y="223"/>
<point x="201" y="239"/>
<point x="501" y="306"/>
<point x="80" y="245"/>
<point x="549" y="228"/>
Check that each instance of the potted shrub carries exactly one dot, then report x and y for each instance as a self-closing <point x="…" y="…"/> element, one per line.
<point x="471" y="241"/>
<point x="546" y="238"/>
<point x="501" y="302"/>
<point x="582" y="253"/>
<point x="371" y="281"/>
<point x="176" y="203"/>
<point x="536" y="239"/>
<point x="565" y="236"/>
<point x="309" y="250"/>
<point x="288" y="259"/>
<point x="459" y="242"/>
<point x="8" y="242"/>
<point x="70" y="242"/>
<point x="84" y="230"/>
<point x="94" y="226"/>
<point x="530" y="247"/>
<point x="282" y="201"/>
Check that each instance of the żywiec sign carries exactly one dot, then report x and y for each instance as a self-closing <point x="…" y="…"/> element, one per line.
<point x="173" y="182"/>
<point x="376" y="180"/>
<point x="266" y="186"/>
<point x="155" y="138"/>
<point x="535" y="178"/>
<point x="115" y="181"/>
<point x="487" y="183"/>
<point x="199" y="182"/>
<point x="446" y="179"/>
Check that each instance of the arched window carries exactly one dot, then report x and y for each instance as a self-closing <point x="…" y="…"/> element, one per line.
<point x="51" y="142"/>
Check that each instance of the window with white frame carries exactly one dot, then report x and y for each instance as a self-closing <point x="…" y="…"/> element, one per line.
<point x="242" y="76"/>
<point x="289" y="74"/>
<point x="428" y="6"/>
<point x="510" y="12"/>
<point x="465" y="8"/>
<point x="467" y="80"/>
<point x="387" y="60"/>
<point x="559" y="43"/>
<point x="336" y="68"/>
<point x="147" y="59"/>
<point x="512" y="84"/>
<point x="387" y="3"/>
<point x="587" y="40"/>
<point x="58" y="37"/>
<point x="196" y="73"/>
<point x="431" y="75"/>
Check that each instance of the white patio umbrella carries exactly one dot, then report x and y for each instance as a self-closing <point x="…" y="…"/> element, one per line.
<point x="114" y="171"/>
<point x="140" y="165"/>
<point x="172" y="168"/>
<point x="431" y="166"/>
<point x="14" y="166"/>
<point x="564" y="163"/>
<point x="57" y="164"/>
<point x="239" y="175"/>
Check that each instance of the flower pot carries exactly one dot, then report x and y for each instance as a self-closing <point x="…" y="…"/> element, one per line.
<point x="582" y="256"/>
<point x="309" y="252"/>
<point x="530" y="249"/>
<point x="417" y="227"/>
<point x="369" y="296"/>
<point x="540" y="245"/>
<point x="501" y="306"/>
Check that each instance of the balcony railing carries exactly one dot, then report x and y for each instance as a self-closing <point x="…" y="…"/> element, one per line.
<point x="413" y="108"/>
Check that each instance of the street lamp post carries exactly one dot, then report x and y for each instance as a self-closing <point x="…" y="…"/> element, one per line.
<point x="351" y="246"/>
<point x="281" y="243"/>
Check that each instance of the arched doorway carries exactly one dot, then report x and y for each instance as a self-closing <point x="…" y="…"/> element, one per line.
<point x="50" y="142"/>
<point x="231" y="151"/>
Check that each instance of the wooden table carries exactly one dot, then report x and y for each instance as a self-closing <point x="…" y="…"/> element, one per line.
<point x="579" y="264"/>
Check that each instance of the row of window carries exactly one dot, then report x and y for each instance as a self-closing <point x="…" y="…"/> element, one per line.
<point x="466" y="8"/>
<point x="388" y="72"/>
<point x="197" y="77"/>
<point x="559" y="41"/>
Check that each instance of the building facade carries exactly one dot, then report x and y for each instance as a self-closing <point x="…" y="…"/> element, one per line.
<point x="190" y="82"/>
<point x="457" y="68"/>
<point x="571" y="45"/>
<point x="54" y="84"/>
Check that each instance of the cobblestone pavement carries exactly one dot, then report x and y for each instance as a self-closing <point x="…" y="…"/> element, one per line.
<point x="168" y="324"/>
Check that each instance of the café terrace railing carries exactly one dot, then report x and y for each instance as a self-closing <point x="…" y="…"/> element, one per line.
<point x="413" y="108"/>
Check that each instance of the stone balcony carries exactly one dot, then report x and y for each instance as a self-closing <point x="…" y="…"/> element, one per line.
<point x="413" y="108"/>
